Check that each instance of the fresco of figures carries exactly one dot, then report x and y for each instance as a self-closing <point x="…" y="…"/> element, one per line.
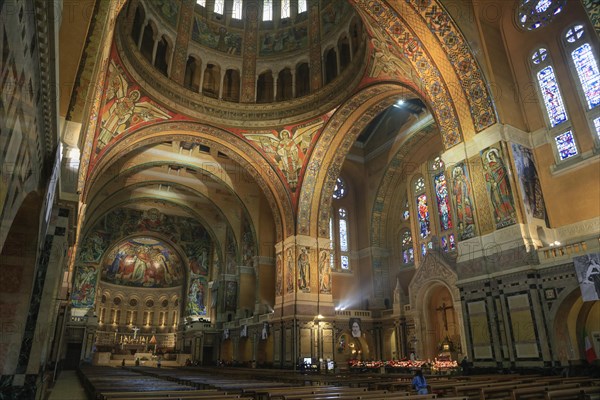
<point x="142" y="262"/>
<point x="530" y="181"/>
<point x="196" y="304"/>
<point x="498" y="186"/>
<point x="84" y="287"/>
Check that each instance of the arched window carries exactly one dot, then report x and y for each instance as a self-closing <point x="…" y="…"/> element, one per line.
<point x="585" y="64"/>
<point x="405" y="211"/>
<point x="343" y="238"/>
<point x="534" y="14"/>
<point x="441" y="194"/>
<point x="219" y="7"/>
<point x="422" y="208"/>
<point x="339" y="228"/>
<point x="236" y="11"/>
<point x="302" y="6"/>
<point x="339" y="189"/>
<point x="408" y="253"/>
<point x="556" y="113"/>
<point x="267" y="10"/>
<point x="286" y="11"/>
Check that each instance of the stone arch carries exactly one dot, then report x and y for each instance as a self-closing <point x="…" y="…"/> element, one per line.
<point x="231" y="145"/>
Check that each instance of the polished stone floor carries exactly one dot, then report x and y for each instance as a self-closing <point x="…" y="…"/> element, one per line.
<point x="68" y="387"/>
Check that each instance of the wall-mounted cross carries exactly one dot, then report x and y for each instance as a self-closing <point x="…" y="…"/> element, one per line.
<point x="443" y="309"/>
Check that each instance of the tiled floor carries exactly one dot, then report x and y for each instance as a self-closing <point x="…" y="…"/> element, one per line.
<point x="68" y="387"/>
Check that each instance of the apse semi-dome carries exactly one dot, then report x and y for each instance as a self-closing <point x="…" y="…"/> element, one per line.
<point x="143" y="262"/>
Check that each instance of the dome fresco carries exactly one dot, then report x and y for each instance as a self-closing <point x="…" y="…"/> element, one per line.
<point x="143" y="262"/>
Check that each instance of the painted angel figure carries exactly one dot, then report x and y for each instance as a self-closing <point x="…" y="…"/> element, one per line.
<point x="121" y="106"/>
<point x="287" y="149"/>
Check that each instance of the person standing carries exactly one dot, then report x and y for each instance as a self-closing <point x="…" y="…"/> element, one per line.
<point x="419" y="383"/>
<point x="464" y="364"/>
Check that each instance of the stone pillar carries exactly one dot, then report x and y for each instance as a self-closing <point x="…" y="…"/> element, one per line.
<point x="314" y="33"/>
<point x="184" y="32"/>
<point x="249" y="55"/>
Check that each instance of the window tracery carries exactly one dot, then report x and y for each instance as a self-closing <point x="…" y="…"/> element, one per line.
<point x="534" y="14"/>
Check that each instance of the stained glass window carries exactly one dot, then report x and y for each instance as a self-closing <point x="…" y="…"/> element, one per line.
<point x="451" y="241"/>
<point x="407" y="249"/>
<point x="552" y="98"/>
<point x="423" y="249"/>
<point x="267" y="10"/>
<point x="443" y="201"/>
<point x="302" y="6"/>
<point x="236" y="12"/>
<point x="539" y="56"/>
<point x="343" y="230"/>
<point x="574" y="34"/>
<point x="201" y="3"/>
<point x="444" y="243"/>
<point x="345" y="262"/>
<point x="565" y="143"/>
<point x="219" y="7"/>
<point x="534" y="14"/>
<point x="406" y="212"/>
<point x="589" y="76"/>
<point x="419" y="185"/>
<point x="597" y="125"/>
<point x="285" y="9"/>
<point x="339" y="189"/>
<point x="437" y="164"/>
<point x="423" y="213"/>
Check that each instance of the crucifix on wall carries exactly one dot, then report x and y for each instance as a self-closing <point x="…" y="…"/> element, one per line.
<point x="135" y="330"/>
<point x="443" y="309"/>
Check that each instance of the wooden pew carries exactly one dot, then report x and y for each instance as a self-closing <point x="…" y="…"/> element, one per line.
<point x="575" y="393"/>
<point x="539" y="392"/>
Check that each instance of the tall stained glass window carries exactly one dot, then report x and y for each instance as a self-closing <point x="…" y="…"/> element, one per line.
<point x="423" y="212"/>
<point x="597" y="126"/>
<point x="443" y="201"/>
<point x="408" y="255"/>
<point x="585" y="64"/>
<point x="339" y="189"/>
<point x="343" y="235"/>
<point x="565" y="144"/>
<point x="406" y="211"/>
<point x="285" y="9"/>
<point x="219" y="7"/>
<point x="236" y="12"/>
<point x="302" y="7"/>
<point x="552" y="98"/>
<point x="267" y="10"/>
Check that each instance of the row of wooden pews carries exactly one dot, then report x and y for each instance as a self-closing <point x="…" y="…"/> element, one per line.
<point x="108" y="383"/>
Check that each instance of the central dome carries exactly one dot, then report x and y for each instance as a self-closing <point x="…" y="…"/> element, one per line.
<point x="233" y="56"/>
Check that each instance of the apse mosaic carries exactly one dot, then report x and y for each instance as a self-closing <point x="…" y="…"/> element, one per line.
<point x="197" y="293"/>
<point x="193" y="238"/>
<point x="143" y="262"/>
<point x="332" y="14"/>
<point x="530" y="183"/>
<point x="168" y="9"/>
<point x="498" y="186"/>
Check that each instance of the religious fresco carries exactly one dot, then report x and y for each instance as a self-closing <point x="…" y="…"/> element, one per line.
<point x="84" y="287"/>
<point x="230" y="253"/>
<point x="289" y="271"/>
<point x="332" y="14"/>
<point x="230" y="295"/>
<point x="125" y="107"/>
<point x="304" y="270"/>
<point x="249" y="248"/>
<point x="193" y="238"/>
<point x="284" y="40"/>
<point x="216" y="36"/>
<point x="498" y="186"/>
<point x="168" y="9"/>
<point x="529" y="181"/>
<point x="287" y="149"/>
<point x="279" y="278"/>
<point x="196" y="304"/>
<point x="143" y="262"/>
<point x="463" y="200"/>
<point x="324" y="272"/>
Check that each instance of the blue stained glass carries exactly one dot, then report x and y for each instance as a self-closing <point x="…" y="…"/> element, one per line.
<point x="543" y="5"/>
<point x="441" y="192"/>
<point x="452" y="242"/>
<point x="552" y="98"/>
<point x="343" y="236"/>
<point x="597" y="125"/>
<point x="423" y="212"/>
<point x="345" y="262"/>
<point x="444" y="243"/>
<point x="423" y="249"/>
<point x="565" y="143"/>
<point x="406" y="214"/>
<point x="589" y="76"/>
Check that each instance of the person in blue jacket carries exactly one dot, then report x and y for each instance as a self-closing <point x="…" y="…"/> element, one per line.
<point x="419" y="383"/>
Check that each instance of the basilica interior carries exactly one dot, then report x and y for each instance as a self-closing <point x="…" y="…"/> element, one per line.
<point x="263" y="182"/>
